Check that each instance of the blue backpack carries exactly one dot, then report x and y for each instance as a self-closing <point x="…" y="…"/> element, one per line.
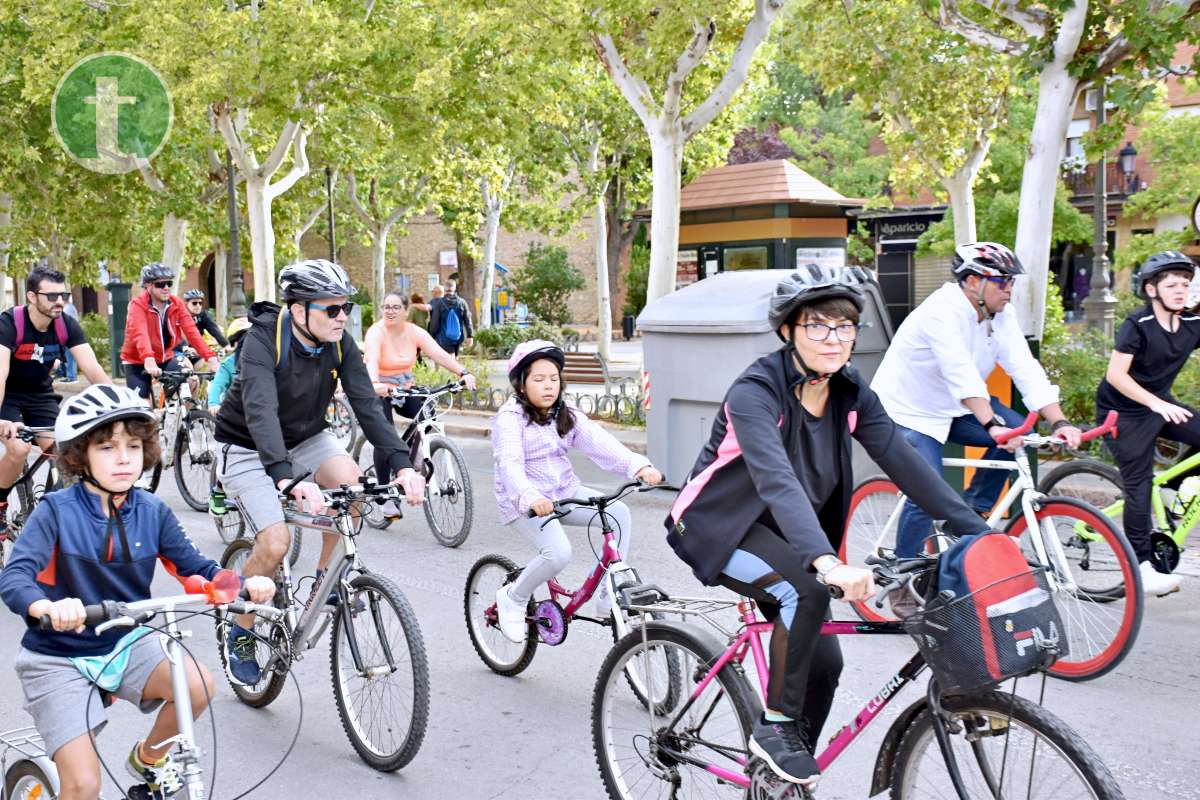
<point x="452" y="328"/>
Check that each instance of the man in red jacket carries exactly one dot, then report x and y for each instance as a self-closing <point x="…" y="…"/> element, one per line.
<point x="157" y="322"/>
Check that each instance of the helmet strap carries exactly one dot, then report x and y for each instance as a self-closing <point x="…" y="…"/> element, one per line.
<point x="304" y="328"/>
<point x="114" y="515"/>
<point x="810" y="376"/>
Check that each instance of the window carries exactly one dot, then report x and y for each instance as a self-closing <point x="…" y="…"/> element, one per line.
<point x="746" y="258"/>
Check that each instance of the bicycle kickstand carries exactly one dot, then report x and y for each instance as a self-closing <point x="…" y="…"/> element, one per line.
<point x="942" y="732"/>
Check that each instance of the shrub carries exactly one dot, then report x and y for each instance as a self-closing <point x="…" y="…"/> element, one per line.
<point x="426" y="373"/>
<point x="95" y="327"/>
<point x="498" y="341"/>
<point x="546" y="282"/>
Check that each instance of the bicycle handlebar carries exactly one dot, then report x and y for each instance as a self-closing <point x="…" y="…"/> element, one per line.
<point x="1109" y="426"/>
<point x="400" y="393"/>
<point x="27" y="434"/>
<point x="601" y="501"/>
<point x="1023" y="429"/>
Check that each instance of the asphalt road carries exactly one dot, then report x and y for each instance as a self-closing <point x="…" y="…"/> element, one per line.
<point x="530" y="736"/>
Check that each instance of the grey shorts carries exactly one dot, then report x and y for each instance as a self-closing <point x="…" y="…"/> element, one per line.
<point x="61" y="700"/>
<point x="244" y="478"/>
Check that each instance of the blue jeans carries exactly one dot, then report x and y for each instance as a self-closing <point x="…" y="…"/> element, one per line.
<point x="915" y="524"/>
<point x="68" y="369"/>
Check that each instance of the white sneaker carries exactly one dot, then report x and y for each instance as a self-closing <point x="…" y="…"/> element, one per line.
<point x="511" y="616"/>
<point x="390" y="510"/>
<point x="602" y="601"/>
<point x="1157" y="583"/>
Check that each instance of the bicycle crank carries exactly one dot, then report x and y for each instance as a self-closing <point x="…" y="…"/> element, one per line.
<point x="766" y="785"/>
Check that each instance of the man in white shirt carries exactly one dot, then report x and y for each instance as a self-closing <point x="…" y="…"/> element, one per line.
<point x="933" y="379"/>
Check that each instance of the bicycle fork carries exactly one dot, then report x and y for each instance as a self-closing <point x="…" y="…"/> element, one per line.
<point x="185" y="739"/>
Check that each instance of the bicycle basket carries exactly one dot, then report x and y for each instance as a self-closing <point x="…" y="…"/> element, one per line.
<point x="1006" y="629"/>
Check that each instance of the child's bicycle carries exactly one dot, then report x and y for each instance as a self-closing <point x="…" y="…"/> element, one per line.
<point x="38" y="478"/>
<point x="1096" y="582"/>
<point x="980" y="743"/>
<point x="1173" y="507"/>
<point x="29" y="772"/>
<point x="548" y="619"/>
<point x="449" y="501"/>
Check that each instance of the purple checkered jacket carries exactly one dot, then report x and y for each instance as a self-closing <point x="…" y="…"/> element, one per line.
<point x="531" y="461"/>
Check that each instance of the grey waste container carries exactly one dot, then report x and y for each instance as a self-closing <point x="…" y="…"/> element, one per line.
<point x="697" y="340"/>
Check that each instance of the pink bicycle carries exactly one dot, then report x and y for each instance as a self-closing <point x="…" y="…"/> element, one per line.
<point x="963" y="745"/>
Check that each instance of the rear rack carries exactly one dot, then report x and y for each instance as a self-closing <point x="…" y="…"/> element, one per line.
<point x="26" y="741"/>
<point x="649" y="599"/>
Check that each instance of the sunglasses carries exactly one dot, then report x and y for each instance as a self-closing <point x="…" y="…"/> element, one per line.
<point x="161" y="284"/>
<point x="1002" y="281"/>
<point x="52" y="296"/>
<point x="334" y="310"/>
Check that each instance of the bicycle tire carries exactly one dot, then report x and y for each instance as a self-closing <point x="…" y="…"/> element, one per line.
<point x="1054" y="738"/>
<point x="231" y="525"/>
<point x="453" y="492"/>
<point x="1083" y="662"/>
<point x="382" y="590"/>
<point x="490" y="644"/>
<point x="1100" y="486"/>
<point x="871" y="503"/>
<point x="674" y="672"/>
<point x="195" y="496"/>
<point x="275" y="632"/>
<point x="731" y="686"/>
<point x="374" y="516"/>
<point x="341" y="422"/>
<point x="26" y="779"/>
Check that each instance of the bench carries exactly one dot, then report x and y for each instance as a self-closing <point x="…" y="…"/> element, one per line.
<point x="585" y="368"/>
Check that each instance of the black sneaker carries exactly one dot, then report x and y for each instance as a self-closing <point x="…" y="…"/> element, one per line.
<point x="781" y="745"/>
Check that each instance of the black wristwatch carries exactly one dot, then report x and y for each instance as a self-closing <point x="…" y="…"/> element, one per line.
<point x="1062" y="423"/>
<point x="995" y="422"/>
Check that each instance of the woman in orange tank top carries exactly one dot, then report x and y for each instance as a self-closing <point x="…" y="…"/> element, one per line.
<point x="391" y="350"/>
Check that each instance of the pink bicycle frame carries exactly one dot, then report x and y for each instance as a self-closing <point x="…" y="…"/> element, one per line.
<point x="608" y="555"/>
<point x="749" y="641"/>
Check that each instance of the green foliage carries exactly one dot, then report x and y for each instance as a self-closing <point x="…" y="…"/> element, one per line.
<point x="546" y="282"/>
<point x="1171" y="145"/>
<point x="498" y="341"/>
<point x="426" y="373"/>
<point x="362" y="299"/>
<point x="831" y="136"/>
<point x="1141" y="246"/>
<point x="996" y="221"/>
<point x="635" y="278"/>
<point x="95" y="327"/>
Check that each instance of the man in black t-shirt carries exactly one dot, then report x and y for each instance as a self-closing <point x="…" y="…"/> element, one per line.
<point x="1152" y="346"/>
<point x="29" y="347"/>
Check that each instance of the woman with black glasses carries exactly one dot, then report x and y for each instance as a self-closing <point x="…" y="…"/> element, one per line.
<point x="158" y="322"/>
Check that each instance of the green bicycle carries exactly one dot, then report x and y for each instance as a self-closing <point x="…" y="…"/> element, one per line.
<point x="1174" y="513"/>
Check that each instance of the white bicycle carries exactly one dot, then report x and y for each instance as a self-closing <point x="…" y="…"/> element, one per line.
<point x="1090" y="565"/>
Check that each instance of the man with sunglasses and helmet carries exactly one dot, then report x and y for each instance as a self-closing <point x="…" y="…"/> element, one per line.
<point x="32" y="338"/>
<point x="764" y="508"/>
<point x="271" y="428"/>
<point x="158" y="322"/>
<point x="933" y="380"/>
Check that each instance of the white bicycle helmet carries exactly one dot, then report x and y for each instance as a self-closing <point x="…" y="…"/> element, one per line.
<point x="95" y="406"/>
<point x="314" y="279"/>
<point x="988" y="259"/>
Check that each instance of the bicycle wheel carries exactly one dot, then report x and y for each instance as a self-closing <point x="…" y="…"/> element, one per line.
<point x="1099" y="485"/>
<point x="364" y="456"/>
<point x="636" y="751"/>
<point x="25" y="780"/>
<point x="872" y="504"/>
<point x="274" y="672"/>
<point x="195" y="461"/>
<point x="231" y="525"/>
<point x="501" y="655"/>
<point x="449" y="502"/>
<point x="1099" y="631"/>
<point x="342" y="424"/>
<point x="1004" y="746"/>
<point x="666" y="682"/>
<point x="383" y="696"/>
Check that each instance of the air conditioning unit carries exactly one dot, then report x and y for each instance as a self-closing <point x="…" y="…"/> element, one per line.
<point x="1089" y="100"/>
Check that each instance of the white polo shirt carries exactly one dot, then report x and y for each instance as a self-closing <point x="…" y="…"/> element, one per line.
<point x="943" y="354"/>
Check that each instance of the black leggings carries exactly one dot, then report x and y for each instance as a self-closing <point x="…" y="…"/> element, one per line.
<point x="1133" y="450"/>
<point x="805" y="666"/>
<point x="411" y="406"/>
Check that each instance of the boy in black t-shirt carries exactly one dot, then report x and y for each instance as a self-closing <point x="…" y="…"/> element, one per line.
<point x="1152" y="346"/>
<point x="29" y="346"/>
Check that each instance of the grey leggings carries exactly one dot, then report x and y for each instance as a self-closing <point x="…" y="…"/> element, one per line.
<point x="554" y="548"/>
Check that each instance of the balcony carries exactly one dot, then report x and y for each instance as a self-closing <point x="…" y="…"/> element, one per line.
<point x="1082" y="182"/>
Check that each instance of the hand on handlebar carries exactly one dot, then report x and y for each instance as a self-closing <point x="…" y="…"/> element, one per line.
<point x="413" y="485"/>
<point x="8" y="430"/>
<point x="152" y="368"/>
<point x="1072" y="437"/>
<point x="382" y="389"/>
<point x="260" y="589"/>
<point x="1011" y="445"/>
<point x="542" y="507"/>
<point x="649" y="475"/>
<point x="857" y="584"/>
<point x="65" y="615"/>
<point x="308" y="497"/>
<point x="469" y="381"/>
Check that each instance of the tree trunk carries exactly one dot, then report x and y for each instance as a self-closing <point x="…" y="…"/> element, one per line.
<point x="604" y="312"/>
<point x="6" y="203"/>
<point x="175" y="232"/>
<point x="961" y="188"/>
<point x="262" y="238"/>
<point x="220" y="268"/>
<point x="466" y="278"/>
<point x="666" y="149"/>
<point x="491" y="235"/>
<point x="379" y="245"/>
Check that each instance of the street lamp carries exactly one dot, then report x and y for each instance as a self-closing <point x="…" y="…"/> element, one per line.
<point x="1127" y="157"/>
<point x="1100" y="304"/>
<point x="237" y="294"/>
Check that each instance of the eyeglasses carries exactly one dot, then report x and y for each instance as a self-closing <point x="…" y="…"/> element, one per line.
<point x="393" y="308"/>
<point x="1003" y="281"/>
<point x="162" y="284"/>
<point x="819" y="331"/>
<point x="334" y="310"/>
<point x="52" y="296"/>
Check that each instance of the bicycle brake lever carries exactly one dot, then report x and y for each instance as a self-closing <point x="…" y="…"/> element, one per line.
<point x="125" y="621"/>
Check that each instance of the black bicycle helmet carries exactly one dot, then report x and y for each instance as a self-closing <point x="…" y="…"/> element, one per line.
<point x="193" y="294"/>
<point x="313" y="279"/>
<point x="811" y="283"/>
<point x="988" y="259"/>
<point x="156" y="271"/>
<point x="1167" y="260"/>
